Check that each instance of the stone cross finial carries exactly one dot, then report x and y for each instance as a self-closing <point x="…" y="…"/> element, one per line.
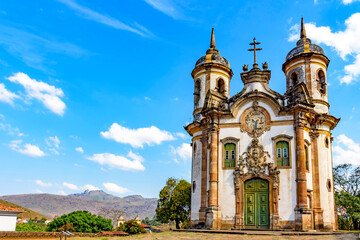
<point x="255" y="65"/>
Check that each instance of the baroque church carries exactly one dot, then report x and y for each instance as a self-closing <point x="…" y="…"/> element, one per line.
<point x="261" y="159"/>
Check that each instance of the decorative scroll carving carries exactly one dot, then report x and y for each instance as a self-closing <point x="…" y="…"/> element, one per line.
<point x="254" y="160"/>
<point x="253" y="163"/>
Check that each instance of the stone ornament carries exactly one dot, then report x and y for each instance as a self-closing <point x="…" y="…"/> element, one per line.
<point x="254" y="160"/>
<point x="255" y="122"/>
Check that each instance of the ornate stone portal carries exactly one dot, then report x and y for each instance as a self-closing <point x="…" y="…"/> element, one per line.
<point x="253" y="164"/>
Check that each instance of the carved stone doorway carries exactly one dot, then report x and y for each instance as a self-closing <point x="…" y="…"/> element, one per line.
<point x="256" y="195"/>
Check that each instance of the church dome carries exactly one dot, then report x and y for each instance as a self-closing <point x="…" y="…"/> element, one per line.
<point x="304" y="45"/>
<point x="212" y="55"/>
<point x="301" y="48"/>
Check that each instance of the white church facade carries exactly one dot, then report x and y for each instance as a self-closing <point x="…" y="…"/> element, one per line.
<point x="261" y="159"/>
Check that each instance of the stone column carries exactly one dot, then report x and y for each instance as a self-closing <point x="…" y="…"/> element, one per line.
<point x="318" y="212"/>
<point x="212" y="212"/>
<point x="202" y="211"/>
<point x="303" y="216"/>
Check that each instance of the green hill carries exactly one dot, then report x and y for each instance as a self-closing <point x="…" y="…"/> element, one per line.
<point x="27" y="212"/>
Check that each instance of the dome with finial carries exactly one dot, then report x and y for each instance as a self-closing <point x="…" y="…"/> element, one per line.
<point x="212" y="54"/>
<point x="304" y="45"/>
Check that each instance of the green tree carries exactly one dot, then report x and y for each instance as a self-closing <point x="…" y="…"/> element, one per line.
<point x="174" y="202"/>
<point x="347" y="195"/>
<point x="82" y="221"/>
<point x="131" y="227"/>
<point x="29" y="227"/>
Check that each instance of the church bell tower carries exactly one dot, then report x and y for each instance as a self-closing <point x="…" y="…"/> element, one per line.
<point x="307" y="63"/>
<point x="212" y="72"/>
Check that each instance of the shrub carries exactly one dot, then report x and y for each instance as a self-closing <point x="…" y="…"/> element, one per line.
<point x="29" y="227"/>
<point x="80" y="221"/>
<point x="131" y="227"/>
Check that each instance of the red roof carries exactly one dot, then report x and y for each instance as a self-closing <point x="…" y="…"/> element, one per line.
<point x="145" y="226"/>
<point x="4" y="207"/>
<point x="117" y="233"/>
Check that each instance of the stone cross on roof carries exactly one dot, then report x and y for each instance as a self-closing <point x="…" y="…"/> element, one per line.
<point x="255" y="65"/>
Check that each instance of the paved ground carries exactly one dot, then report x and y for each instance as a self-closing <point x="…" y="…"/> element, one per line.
<point x="168" y="235"/>
<point x="210" y="236"/>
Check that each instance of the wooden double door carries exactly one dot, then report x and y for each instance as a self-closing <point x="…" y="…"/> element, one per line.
<point x="256" y="211"/>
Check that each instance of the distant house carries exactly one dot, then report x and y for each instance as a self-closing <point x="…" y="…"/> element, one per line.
<point x="8" y="216"/>
<point x="147" y="227"/>
<point x="120" y="220"/>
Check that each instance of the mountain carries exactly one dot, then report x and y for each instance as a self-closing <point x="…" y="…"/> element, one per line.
<point x="27" y="212"/>
<point x="52" y="205"/>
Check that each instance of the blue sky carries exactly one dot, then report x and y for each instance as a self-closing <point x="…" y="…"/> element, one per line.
<point x="95" y="94"/>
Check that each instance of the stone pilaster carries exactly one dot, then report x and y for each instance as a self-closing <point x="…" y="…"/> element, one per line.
<point x="303" y="217"/>
<point x="213" y="218"/>
<point x="317" y="211"/>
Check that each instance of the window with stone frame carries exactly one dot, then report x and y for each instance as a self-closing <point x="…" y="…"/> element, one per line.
<point x="321" y="82"/>
<point x="282" y="154"/>
<point x="294" y="79"/>
<point x="197" y="92"/>
<point x="220" y="86"/>
<point x="307" y="162"/>
<point x="229" y="155"/>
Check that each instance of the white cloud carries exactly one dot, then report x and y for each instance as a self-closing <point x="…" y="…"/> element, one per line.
<point x="137" y="137"/>
<point x="344" y="42"/>
<point x="61" y="192"/>
<point x="168" y="7"/>
<point x="79" y="149"/>
<point x="181" y="135"/>
<point x="11" y="130"/>
<point x="49" y="95"/>
<point x="346" y="150"/>
<point x="89" y="187"/>
<point x="346" y="2"/>
<point x="147" y="98"/>
<point x="92" y="15"/>
<point x="183" y="151"/>
<point x="119" y="162"/>
<point x="70" y="186"/>
<point x="28" y="149"/>
<point x="112" y="187"/>
<point x="53" y="141"/>
<point x="33" y="49"/>
<point x="6" y="95"/>
<point x="43" y="184"/>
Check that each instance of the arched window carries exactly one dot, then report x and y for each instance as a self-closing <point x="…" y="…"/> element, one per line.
<point x="282" y="154"/>
<point x="321" y="82"/>
<point x="307" y="164"/>
<point x="230" y="155"/>
<point x="293" y="79"/>
<point x="221" y="86"/>
<point x="197" y="92"/>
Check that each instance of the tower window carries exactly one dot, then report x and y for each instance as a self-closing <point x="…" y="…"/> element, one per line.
<point x="221" y="86"/>
<point x="293" y="79"/>
<point x="229" y="155"/>
<point x="321" y="82"/>
<point x="197" y="92"/>
<point x="307" y="158"/>
<point x="282" y="154"/>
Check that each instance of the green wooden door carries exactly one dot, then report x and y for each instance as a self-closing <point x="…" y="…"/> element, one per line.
<point x="256" y="204"/>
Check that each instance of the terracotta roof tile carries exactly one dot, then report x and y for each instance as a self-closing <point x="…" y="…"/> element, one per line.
<point x="4" y="207"/>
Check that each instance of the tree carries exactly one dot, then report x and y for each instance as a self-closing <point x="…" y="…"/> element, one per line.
<point x="29" y="227"/>
<point x="82" y="221"/>
<point x="131" y="227"/>
<point x="174" y="202"/>
<point x="347" y="195"/>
